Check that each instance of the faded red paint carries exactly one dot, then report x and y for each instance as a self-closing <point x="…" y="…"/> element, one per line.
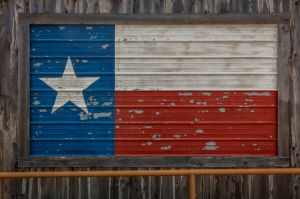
<point x="196" y="123"/>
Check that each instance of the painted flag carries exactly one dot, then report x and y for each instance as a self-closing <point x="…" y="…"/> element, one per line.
<point x="153" y="90"/>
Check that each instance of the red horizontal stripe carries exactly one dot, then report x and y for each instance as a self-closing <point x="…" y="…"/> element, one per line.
<point x="185" y="122"/>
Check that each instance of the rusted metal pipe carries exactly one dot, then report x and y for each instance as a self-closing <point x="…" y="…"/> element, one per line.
<point x="192" y="186"/>
<point x="128" y="173"/>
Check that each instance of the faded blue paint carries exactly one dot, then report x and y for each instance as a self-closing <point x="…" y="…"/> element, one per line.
<point x="70" y="131"/>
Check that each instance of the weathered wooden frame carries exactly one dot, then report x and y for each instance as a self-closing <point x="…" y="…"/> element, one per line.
<point x="284" y="96"/>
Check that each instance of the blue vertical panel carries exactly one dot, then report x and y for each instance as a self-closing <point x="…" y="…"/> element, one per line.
<point x="70" y="130"/>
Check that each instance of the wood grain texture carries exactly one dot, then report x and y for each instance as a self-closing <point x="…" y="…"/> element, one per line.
<point x="295" y="104"/>
<point x="150" y="187"/>
<point x="167" y="161"/>
<point x="283" y="83"/>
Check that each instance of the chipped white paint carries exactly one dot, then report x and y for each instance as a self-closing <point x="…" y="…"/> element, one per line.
<point x="222" y="110"/>
<point x="156" y="136"/>
<point x="103" y="114"/>
<point x="62" y="27"/>
<point x="196" y="57"/>
<point x="85" y="116"/>
<point x="37" y="64"/>
<point x="105" y="46"/>
<point x="136" y="111"/>
<point x="199" y="131"/>
<point x="107" y="103"/>
<point x="93" y="37"/>
<point x="69" y="87"/>
<point x="149" y="143"/>
<point x="210" y="146"/>
<point x="93" y="101"/>
<point x="36" y="102"/>
<point x="258" y="94"/>
<point x="185" y="94"/>
<point x="206" y="93"/>
<point x="89" y="28"/>
<point x="166" y="147"/>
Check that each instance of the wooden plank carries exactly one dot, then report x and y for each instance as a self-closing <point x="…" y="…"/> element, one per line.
<point x="283" y="83"/>
<point x="23" y="87"/>
<point x="295" y="101"/>
<point x="152" y="19"/>
<point x="165" y="161"/>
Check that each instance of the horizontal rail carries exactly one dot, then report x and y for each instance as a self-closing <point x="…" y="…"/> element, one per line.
<point x="191" y="173"/>
<point x="134" y="173"/>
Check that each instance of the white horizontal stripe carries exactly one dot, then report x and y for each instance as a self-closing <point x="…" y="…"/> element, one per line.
<point x="196" y="57"/>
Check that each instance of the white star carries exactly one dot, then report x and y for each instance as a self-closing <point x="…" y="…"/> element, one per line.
<point x="69" y="87"/>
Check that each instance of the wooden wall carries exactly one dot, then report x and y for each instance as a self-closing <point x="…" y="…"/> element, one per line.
<point x="139" y="187"/>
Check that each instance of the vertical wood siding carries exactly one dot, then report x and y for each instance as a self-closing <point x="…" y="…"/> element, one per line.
<point x="142" y="187"/>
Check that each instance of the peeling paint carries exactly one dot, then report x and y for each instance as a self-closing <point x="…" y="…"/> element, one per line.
<point x="185" y="94"/>
<point x="258" y="94"/>
<point x="206" y="93"/>
<point x="149" y="143"/>
<point x="166" y="147"/>
<point x="93" y="37"/>
<point x="136" y="111"/>
<point x="36" y="102"/>
<point x="93" y="101"/>
<point x="222" y="110"/>
<point x="249" y="100"/>
<point x="103" y="114"/>
<point x="43" y="110"/>
<point x="191" y="101"/>
<point x="107" y="103"/>
<point x="210" y="146"/>
<point x="105" y="46"/>
<point x="201" y="103"/>
<point x="199" y="131"/>
<point x="225" y="97"/>
<point x="156" y="136"/>
<point x="89" y="28"/>
<point x="37" y="64"/>
<point x="84" y="116"/>
<point x="172" y="104"/>
<point x="85" y="61"/>
<point x="148" y="127"/>
<point x="157" y="113"/>
<point x="177" y="136"/>
<point x="62" y="27"/>
<point x="140" y="100"/>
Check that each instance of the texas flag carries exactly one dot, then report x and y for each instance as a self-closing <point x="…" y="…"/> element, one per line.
<point x="144" y="90"/>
